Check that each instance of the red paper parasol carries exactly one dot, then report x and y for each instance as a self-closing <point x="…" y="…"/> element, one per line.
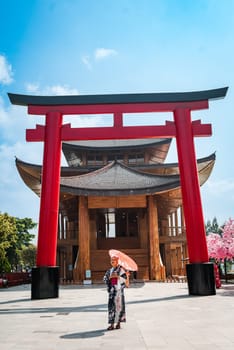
<point x="124" y="260"/>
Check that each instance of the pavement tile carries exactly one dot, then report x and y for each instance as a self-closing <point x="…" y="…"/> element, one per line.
<point x="159" y="316"/>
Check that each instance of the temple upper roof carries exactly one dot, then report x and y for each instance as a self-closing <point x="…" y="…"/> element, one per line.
<point x="113" y="144"/>
<point x="128" y="150"/>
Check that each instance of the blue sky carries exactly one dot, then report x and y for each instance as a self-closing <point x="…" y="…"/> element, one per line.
<point x="52" y="47"/>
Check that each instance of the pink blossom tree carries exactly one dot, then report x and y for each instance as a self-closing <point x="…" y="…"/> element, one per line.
<point x="221" y="247"/>
<point x="228" y="239"/>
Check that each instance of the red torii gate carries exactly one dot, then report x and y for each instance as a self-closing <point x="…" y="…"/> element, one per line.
<point x="45" y="277"/>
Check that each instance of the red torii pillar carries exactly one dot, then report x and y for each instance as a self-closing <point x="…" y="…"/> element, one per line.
<point x="45" y="277"/>
<point x="200" y="273"/>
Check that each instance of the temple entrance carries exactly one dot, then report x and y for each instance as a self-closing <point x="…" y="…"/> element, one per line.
<point x="118" y="228"/>
<point x="113" y="222"/>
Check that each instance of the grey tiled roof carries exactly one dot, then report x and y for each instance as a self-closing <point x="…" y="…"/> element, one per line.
<point x="110" y="144"/>
<point x="115" y="179"/>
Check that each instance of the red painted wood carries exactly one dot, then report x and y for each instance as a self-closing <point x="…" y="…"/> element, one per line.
<point x="49" y="205"/>
<point x="201" y="129"/>
<point x="113" y="133"/>
<point x="117" y="132"/>
<point x="190" y="187"/>
<point x="117" y="108"/>
<point x="36" y="135"/>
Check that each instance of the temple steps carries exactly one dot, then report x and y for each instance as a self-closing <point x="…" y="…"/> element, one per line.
<point x="100" y="262"/>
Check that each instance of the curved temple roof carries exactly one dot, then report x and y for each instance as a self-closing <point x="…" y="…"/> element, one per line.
<point x="25" y="100"/>
<point x="115" y="178"/>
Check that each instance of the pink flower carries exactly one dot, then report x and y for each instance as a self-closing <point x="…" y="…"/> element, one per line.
<point x="222" y="247"/>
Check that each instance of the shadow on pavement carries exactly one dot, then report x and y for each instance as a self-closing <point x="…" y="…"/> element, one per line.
<point x="83" y="335"/>
<point x="86" y="308"/>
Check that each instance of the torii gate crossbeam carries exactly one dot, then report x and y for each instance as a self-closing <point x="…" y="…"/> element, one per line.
<point x="200" y="273"/>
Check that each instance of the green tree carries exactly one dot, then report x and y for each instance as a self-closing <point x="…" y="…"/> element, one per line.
<point x="8" y="238"/>
<point x="14" y="238"/>
<point x="28" y="255"/>
<point x="23" y="239"/>
<point x="213" y="227"/>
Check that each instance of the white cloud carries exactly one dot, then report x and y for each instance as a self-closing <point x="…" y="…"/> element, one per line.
<point x="102" y="53"/>
<point x="5" y="71"/>
<point x="98" y="55"/>
<point x="51" y="90"/>
<point x="60" y="90"/>
<point x="32" y="87"/>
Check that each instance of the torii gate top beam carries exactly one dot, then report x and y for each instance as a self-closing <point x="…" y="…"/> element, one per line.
<point x="146" y="98"/>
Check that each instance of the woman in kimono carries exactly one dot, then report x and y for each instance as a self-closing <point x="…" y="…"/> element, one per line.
<point x="116" y="279"/>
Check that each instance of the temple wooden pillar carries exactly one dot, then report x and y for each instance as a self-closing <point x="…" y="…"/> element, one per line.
<point x="84" y="241"/>
<point x="155" y="269"/>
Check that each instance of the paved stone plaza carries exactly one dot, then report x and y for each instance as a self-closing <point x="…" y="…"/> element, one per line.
<point x="159" y="316"/>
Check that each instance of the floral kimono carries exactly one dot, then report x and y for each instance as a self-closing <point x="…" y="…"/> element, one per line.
<point x="115" y="288"/>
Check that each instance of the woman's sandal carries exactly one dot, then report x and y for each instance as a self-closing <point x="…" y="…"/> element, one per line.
<point x="117" y="326"/>
<point x="111" y="327"/>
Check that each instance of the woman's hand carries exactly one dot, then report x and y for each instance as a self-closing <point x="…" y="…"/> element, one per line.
<point x="127" y="279"/>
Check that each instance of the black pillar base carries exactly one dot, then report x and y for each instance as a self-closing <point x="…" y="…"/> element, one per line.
<point x="45" y="282"/>
<point x="201" y="279"/>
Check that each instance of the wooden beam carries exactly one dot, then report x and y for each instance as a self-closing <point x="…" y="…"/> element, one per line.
<point x="155" y="270"/>
<point x="84" y="240"/>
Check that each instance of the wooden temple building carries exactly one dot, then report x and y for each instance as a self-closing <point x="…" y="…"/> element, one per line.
<point x="119" y="194"/>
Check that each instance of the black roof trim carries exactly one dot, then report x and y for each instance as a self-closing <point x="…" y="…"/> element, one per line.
<point x="25" y="100"/>
<point x="211" y="157"/>
<point x="116" y="192"/>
